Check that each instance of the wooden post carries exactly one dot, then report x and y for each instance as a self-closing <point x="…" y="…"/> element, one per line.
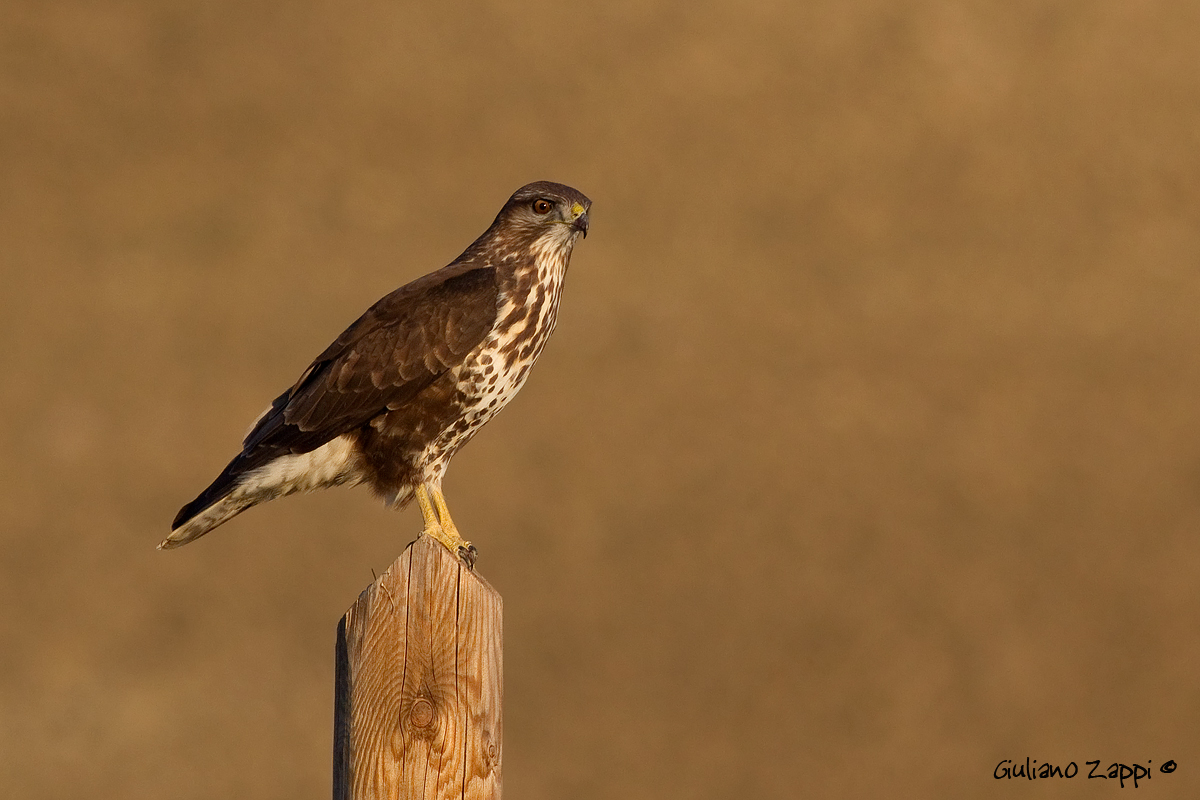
<point x="419" y="683"/>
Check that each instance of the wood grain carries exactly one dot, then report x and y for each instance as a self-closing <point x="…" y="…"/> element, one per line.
<point x="419" y="684"/>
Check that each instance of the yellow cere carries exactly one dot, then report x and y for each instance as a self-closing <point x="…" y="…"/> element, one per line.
<point x="576" y="210"/>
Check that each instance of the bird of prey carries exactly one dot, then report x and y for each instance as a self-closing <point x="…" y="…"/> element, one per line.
<point x="413" y="379"/>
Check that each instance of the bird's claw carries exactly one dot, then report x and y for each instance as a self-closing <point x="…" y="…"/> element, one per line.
<point x="454" y="543"/>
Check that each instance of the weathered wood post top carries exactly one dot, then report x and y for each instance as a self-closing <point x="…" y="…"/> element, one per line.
<point x="419" y="684"/>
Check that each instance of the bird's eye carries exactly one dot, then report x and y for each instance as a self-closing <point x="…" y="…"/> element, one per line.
<point x="542" y="206"/>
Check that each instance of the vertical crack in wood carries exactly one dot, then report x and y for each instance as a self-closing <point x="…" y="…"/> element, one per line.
<point x="462" y="704"/>
<point x="408" y="553"/>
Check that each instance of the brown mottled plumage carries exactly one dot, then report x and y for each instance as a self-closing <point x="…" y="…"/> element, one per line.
<point x="411" y="381"/>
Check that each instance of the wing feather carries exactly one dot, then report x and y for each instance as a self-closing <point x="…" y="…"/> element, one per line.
<point x="397" y="348"/>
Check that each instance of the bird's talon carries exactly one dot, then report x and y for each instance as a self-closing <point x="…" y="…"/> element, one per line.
<point x="468" y="555"/>
<point x="440" y="536"/>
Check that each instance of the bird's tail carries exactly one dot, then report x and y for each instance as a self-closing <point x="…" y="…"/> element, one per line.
<point x="261" y="474"/>
<point x="217" y="504"/>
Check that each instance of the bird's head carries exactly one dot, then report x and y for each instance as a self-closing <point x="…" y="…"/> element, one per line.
<point x="549" y="214"/>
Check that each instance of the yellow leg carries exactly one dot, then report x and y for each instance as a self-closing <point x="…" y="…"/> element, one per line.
<point x="465" y="548"/>
<point x="443" y="512"/>
<point x="427" y="512"/>
<point x="439" y="525"/>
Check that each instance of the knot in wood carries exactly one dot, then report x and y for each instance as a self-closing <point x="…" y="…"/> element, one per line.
<point x="421" y="714"/>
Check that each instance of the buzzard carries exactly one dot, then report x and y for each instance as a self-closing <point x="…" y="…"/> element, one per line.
<point x="413" y="379"/>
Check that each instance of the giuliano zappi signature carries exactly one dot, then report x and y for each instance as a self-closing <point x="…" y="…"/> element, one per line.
<point x="1116" y="771"/>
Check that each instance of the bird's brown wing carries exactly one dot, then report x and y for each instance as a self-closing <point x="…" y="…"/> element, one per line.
<point x="397" y="348"/>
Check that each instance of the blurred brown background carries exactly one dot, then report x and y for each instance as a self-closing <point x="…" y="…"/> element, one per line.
<point x="866" y="454"/>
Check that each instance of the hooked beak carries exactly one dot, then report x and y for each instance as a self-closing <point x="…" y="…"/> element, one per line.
<point x="581" y="223"/>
